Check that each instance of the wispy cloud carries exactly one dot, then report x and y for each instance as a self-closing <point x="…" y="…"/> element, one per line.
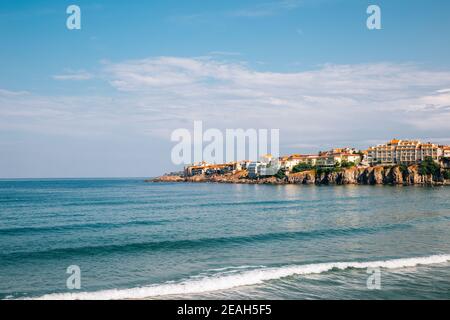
<point x="267" y="9"/>
<point x="77" y="75"/>
<point x="8" y="93"/>
<point x="332" y="103"/>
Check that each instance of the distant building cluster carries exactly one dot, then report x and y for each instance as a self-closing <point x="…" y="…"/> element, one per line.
<point x="323" y="159"/>
<point x="394" y="152"/>
<point x="404" y="152"/>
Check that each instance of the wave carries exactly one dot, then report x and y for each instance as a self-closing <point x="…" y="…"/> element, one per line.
<point x="80" y="226"/>
<point x="198" y="243"/>
<point x="225" y="281"/>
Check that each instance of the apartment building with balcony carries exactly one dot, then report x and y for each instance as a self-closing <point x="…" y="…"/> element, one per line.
<point x="403" y="152"/>
<point x="446" y="152"/>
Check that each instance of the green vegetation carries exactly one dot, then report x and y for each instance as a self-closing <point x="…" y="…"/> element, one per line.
<point x="403" y="169"/>
<point x="428" y="166"/>
<point x="347" y="164"/>
<point x="327" y="170"/>
<point x="447" y="174"/>
<point x="302" y="167"/>
<point x="281" y="174"/>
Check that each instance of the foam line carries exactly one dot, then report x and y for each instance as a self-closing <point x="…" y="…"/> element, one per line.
<point x="221" y="281"/>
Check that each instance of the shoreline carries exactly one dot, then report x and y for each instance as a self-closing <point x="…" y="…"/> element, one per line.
<point x="377" y="175"/>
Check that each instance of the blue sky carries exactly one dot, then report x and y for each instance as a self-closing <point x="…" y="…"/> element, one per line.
<point x="102" y="101"/>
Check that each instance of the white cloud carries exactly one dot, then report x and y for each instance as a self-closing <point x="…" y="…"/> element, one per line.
<point x="331" y="104"/>
<point x="8" y="93"/>
<point x="74" y="75"/>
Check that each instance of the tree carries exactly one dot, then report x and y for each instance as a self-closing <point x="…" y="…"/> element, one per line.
<point x="281" y="174"/>
<point x="347" y="164"/>
<point x="302" y="167"/>
<point x="447" y="174"/>
<point x="403" y="169"/>
<point x="321" y="170"/>
<point x="428" y="166"/>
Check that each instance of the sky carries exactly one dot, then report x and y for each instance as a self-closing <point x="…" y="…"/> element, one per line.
<point x="103" y="101"/>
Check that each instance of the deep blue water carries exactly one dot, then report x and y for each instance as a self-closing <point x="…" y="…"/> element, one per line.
<point x="222" y="240"/>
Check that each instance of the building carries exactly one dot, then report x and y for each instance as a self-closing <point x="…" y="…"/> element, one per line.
<point x="261" y="169"/>
<point x="445" y="160"/>
<point x="345" y="150"/>
<point x="446" y="151"/>
<point x="209" y="169"/>
<point x="328" y="159"/>
<point x="244" y="164"/>
<point x="403" y="152"/>
<point x="253" y="168"/>
<point x="311" y="159"/>
<point x="289" y="162"/>
<point x="364" y="158"/>
<point x="269" y="169"/>
<point x="324" y="159"/>
<point x="331" y="158"/>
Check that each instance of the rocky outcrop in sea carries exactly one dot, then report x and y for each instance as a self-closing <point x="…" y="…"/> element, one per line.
<point x="378" y="175"/>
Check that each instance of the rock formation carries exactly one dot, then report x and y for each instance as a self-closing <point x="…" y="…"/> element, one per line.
<point x="392" y="175"/>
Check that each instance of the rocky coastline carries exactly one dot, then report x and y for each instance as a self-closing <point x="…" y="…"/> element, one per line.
<point x="378" y="175"/>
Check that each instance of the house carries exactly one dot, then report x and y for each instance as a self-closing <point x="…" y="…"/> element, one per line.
<point x="331" y="158"/>
<point x="351" y="157"/>
<point x="364" y="158"/>
<point x="328" y="159"/>
<point x="244" y="164"/>
<point x="209" y="169"/>
<point x="288" y="163"/>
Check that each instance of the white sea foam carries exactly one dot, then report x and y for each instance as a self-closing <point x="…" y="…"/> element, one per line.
<point x="248" y="277"/>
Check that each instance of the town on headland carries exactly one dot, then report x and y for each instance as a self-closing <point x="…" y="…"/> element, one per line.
<point x="397" y="162"/>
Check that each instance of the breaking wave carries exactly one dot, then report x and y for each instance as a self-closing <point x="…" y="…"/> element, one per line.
<point x="240" y="276"/>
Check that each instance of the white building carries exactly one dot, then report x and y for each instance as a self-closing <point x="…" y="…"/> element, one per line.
<point x="446" y="151"/>
<point x="253" y="168"/>
<point x="403" y="152"/>
<point x="262" y="169"/>
<point x="331" y="159"/>
<point x="291" y="161"/>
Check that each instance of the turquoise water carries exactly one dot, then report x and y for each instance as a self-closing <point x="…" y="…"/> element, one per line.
<point x="143" y="240"/>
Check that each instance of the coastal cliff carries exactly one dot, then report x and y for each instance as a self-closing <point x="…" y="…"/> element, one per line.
<point x="369" y="176"/>
<point x="377" y="175"/>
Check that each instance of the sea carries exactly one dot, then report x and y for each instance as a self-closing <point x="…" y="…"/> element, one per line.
<point x="128" y="239"/>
